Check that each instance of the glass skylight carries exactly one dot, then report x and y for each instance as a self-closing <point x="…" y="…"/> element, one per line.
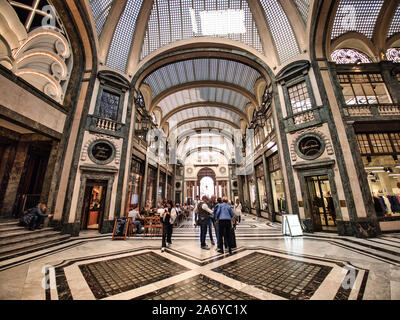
<point x="202" y="70"/>
<point x="100" y="10"/>
<point x="182" y="19"/>
<point x="303" y="6"/>
<point x="395" y="26"/>
<point x="207" y="94"/>
<point x="356" y="15"/>
<point x="282" y="32"/>
<point x="123" y="36"/>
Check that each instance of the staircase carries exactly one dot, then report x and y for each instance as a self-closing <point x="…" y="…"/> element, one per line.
<point x="16" y="240"/>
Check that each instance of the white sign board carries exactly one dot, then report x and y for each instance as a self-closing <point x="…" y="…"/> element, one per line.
<point x="291" y="225"/>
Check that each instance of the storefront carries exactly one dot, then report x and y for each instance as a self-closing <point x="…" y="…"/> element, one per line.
<point x="278" y="191"/>
<point x="135" y="183"/>
<point x="380" y="152"/>
<point x="261" y="187"/>
<point x="151" y="191"/>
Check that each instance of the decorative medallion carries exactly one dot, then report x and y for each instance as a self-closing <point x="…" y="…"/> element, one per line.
<point x="189" y="170"/>
<point x="222" y="170"/>
<point x="310" y="146"/>
<point x="101" y="152"/>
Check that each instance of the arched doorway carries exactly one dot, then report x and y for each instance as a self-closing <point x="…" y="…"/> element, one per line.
<point x="206" y="187"/>
<point x="206" y="181"/>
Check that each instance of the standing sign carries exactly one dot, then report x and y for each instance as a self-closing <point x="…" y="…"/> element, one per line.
<point x="291" y="225"/>
<point x="120" y="228"/>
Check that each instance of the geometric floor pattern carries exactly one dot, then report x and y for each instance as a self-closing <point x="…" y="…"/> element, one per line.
<point x="281" y="276"/>
<point x="264" y="266"/>
<point x="199" y="287"/>
<point x="110" y="277"/>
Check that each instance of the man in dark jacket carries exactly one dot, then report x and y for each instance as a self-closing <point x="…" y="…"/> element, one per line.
<point x="204" y="213"/>
<point x="35" y="216"/>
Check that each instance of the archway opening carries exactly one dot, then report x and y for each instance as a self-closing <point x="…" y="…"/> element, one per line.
<point x="206" y="187"/>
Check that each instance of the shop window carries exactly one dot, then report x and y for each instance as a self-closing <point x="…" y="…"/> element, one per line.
<point x="109" y="105"/>
<point x="273" y="163"/>
<point x="363" y="144"/>
<point x="395" y="138"/>
<point x="299" y="97"/>
<point x="364" y="88"/>
<point x="379" y="143"/>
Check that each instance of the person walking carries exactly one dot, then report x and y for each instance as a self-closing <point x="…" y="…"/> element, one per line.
<point x="168" y="218"/>
<point x="196" y="214"/>
<point x="204" y="213"/>
<point x="238" y="210"/>
<point x="224" y="215"/>
<point x="211" y="204"/>
<point x="216" y="225"/>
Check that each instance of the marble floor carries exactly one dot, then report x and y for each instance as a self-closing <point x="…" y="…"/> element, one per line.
<point x="264" y="266"/>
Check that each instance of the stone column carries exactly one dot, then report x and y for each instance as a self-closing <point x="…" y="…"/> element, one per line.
<point x="268" y="187"/>
<point x="246" y="182"/>
<point x="144" y="192"/>
<point x="230" y="183"/>
<point x="173" y="183"/>
<point x="157" y="183"/>
<point x="166" y="184"/>
<point x="10" y="196"/>
<point x="258" y="205"/>
<point x="48" y="177"/>
<point x="241" y="189"/>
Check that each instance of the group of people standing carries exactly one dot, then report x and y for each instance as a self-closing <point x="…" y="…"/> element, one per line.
<point x="220" y="215"/>
<point x="210" y="213"/>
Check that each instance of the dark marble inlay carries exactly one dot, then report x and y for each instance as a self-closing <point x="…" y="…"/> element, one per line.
<point x="291" y="279"/>
<point x="343" y="294"/>
<point x="63" y="290"/>
<point x="110" y="277"/>
<point x="199" y="287"/>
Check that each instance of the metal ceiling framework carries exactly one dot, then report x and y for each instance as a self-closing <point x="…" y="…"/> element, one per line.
<point x="214" y="90"/>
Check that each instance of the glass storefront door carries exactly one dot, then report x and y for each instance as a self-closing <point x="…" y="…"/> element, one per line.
<point x="94" y="204"/>
<point x="322" y="206"/>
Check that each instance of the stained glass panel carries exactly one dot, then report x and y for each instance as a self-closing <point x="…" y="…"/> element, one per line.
<point x="349" y="56"/>
<point x="109" y="105"/>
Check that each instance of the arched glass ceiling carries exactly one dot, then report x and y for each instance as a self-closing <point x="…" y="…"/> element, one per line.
<point x="197" y="125"/>
<point x="356" y="15"/>
<point x="100" y="10"/>
<point x="282" y="32"/>
<point x="201" y="70"/>
<point x="182" y="19"/>
<point x="201" y="140"/>
<point x="205" y="112"/>
<point x="123" y="35"/>
<point x="395" y="26"/>
<point x="303" y="6"/>
<point x="206" y="94"/>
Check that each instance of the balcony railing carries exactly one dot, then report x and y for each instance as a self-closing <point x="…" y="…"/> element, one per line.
<point x="369" y="110"/>
<point x="303" y="119"/>
<point x="105" y="125"/>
